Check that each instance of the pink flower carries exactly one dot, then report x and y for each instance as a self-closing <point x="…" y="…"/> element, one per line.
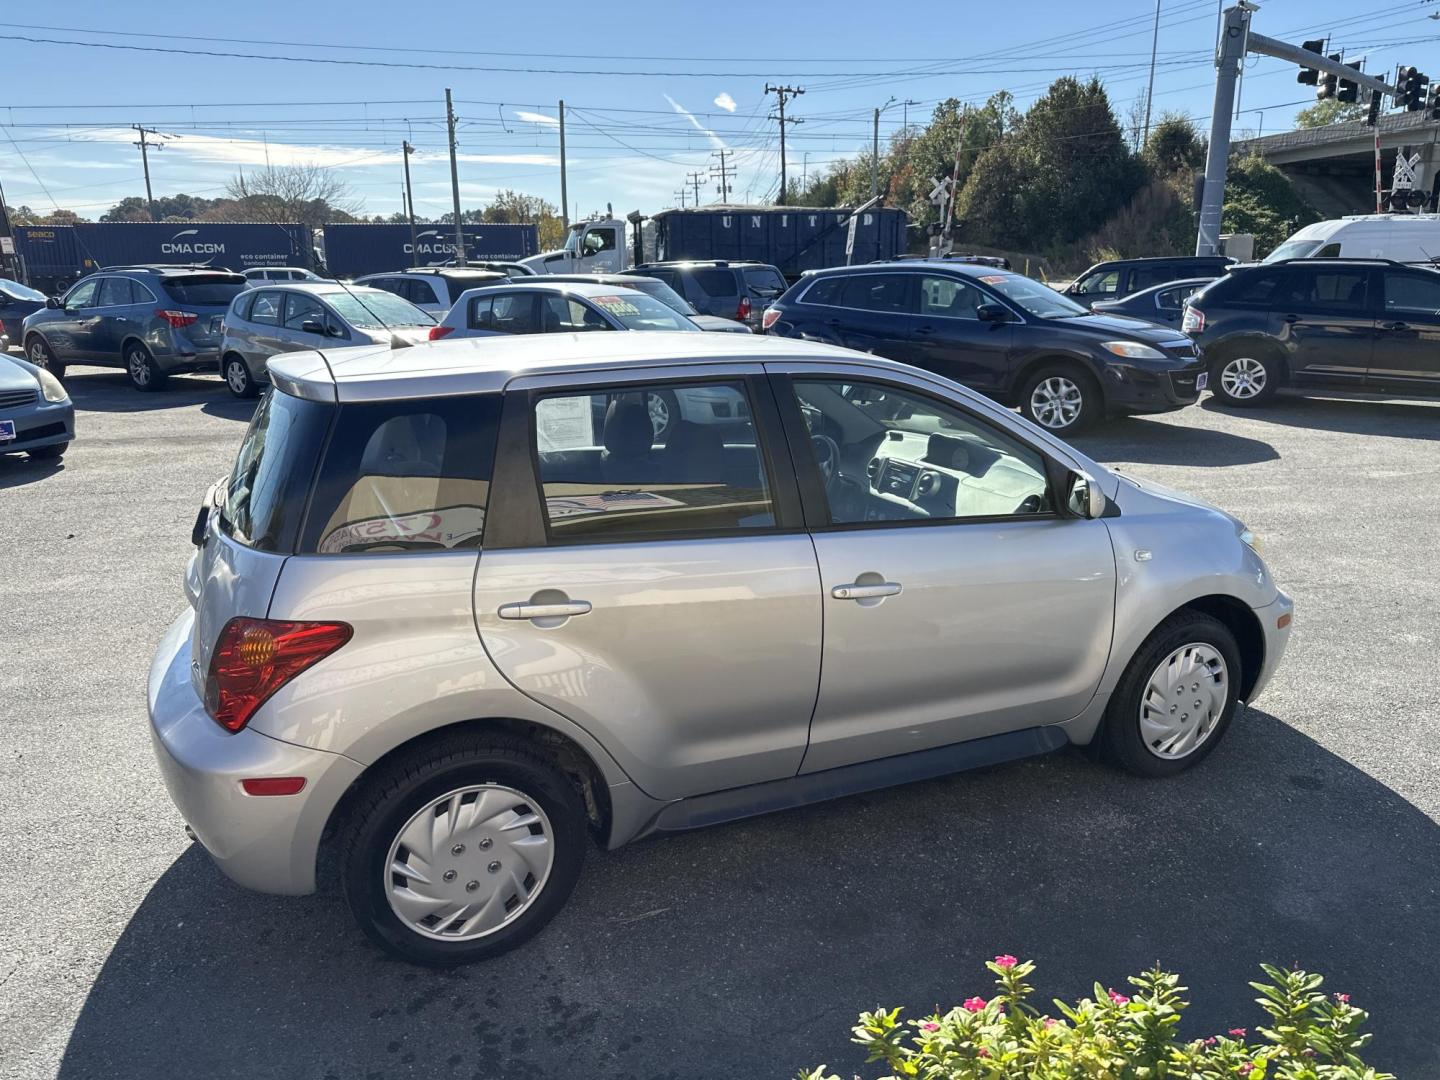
<point x="1210" y="1041"/>
<point x="929" y="1025"/>
<point x="1244" y="1069"/>
<point x="1005" y="960"/>
<point x="1050" y="1021"/>
<point x="974" y="1004"/>
<point x="1344" y="999"/>
<point x="1237" y="1033"/>
<point x="1119" y="999"/>
<point x="983" y="1052"/>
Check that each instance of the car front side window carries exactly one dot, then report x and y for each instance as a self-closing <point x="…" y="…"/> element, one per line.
<point x="83" y="295"/>
<point x="889" y="454"/>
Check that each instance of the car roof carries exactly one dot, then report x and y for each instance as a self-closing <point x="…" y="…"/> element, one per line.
<point x="320" y="287"/>
<point x="481" y="364"/>
<point x="544" y="284"/>
<point x="1164" y="286"/>
<point x="913" y="266"/>
<point x="711" y="263"/>
<point x="168" y="269"/>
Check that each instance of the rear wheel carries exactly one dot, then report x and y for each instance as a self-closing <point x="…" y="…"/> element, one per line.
<point x="1243" y="378"/>
<point x="39" y="354"/>
<point x="144" y="373"/>
<point x="1176" y="698"/>
<point x="238" y="379"/>
<point x="464" y="852"/>
<point x="1061" y="399"/>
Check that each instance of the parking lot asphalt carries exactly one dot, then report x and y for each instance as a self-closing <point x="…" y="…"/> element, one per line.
<point x="1311" y="836"/>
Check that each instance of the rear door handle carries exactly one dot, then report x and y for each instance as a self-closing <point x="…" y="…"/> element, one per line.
<point x="544" y="611"/>
<point x="925" y="330"/>
<point x="1290" y="318"/>
<point x="856" y="591"/>
<point x="1394" y="326"/>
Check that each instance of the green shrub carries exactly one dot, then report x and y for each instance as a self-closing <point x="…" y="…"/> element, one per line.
<point x="1114" y="1036"/>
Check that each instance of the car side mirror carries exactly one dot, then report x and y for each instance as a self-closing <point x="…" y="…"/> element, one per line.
<point x="313" y="326"/>
<point x="996" y="313"/>
<point x="1084" y="499"/>
<point x="52" y="302"/>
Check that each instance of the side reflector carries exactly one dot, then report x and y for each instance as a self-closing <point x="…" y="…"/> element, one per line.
<point x="273" y="785"/>
<point x="1283" y="621"/>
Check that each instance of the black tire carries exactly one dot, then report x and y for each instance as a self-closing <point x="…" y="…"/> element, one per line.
<point x="393" y="797"/>
<point x="39" y="354"/>
<point x="1248" y="366"/>
<point x="1062" y="379"/>
<point x="1121" y="736"/>
<point x="662" y="403"/>
<point x="238" y="379"/>
<point x="144" y="373"/>
<point x="53" y="452"/>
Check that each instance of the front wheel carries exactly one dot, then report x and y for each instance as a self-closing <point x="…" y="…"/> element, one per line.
<point x="144" y="373"/>
<point x="1244" y="379"/>
<point x="238" y="379"/>
<point x="39" y="354"/>
<point x="1176" y="698"/>
<point x="1062" y="400"/>
<point x="464" y="853"/>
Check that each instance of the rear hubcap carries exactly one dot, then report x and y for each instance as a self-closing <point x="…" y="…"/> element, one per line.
<point x="1243" y="377"/>
<point x="1183" y="701"/>
<point x="1056" y="402"/>
<point x="470" y="862"/>
<point x="139" y="368"/>
<point x="237" y="376"/>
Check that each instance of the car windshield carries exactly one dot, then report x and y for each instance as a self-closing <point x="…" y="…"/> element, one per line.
<point x="1031" y="297"/>
<point x="662" y="292"/>
<point x="212" y="290"/>
<point x="639" y="311"/>
<point x="372" y="309"/>
<point x="16" y="291"/>
<point x="1294" y="249"/>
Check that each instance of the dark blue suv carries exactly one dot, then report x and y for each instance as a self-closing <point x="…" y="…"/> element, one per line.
<point x="999" y="333"/>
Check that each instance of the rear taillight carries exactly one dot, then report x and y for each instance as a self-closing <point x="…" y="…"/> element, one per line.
<point x="1194" y="321"/>
<point x="255" y="657"/>
<point x="770" y="318"/>
<point x="743" y="311"/>
<point x="177" y="319"/>
<point x="437" y="332"/>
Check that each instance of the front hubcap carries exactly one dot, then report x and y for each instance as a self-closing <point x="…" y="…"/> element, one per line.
<point x="1243" y="377"/>
<point x="1056" y="402"/>
<point x="139" y="368"/>
<point x="1184" y="700"/>
<point x="469" y="862"/>
<point x="38" y="357"/>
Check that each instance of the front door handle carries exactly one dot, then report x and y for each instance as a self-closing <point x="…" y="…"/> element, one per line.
<point x="1395" y="326"/>
<point x="857" y="591"/>
<point x="1290" y="318"/>
<point x="527" y="610"/>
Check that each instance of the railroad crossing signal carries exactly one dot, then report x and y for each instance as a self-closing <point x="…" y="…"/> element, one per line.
<point x="940" y="191"/>
<point x="1310" y="76"/>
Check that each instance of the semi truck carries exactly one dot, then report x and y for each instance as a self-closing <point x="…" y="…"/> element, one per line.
<point x="792" y="238"/>
<point x="352" y="250"/>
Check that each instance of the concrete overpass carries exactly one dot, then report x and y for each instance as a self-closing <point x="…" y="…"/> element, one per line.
<point x="1334" y="166"/>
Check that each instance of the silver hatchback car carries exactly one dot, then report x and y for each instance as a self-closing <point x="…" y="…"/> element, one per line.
<point x="458" y="606"/>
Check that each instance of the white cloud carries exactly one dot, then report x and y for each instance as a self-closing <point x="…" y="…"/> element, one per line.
<point x="256" y="152"/>
<point x="725" y="101"/>
<point x="715" y="140"/>
<point x="536" y="118"/>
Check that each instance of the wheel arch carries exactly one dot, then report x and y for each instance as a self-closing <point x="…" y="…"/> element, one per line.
<point x="134" y="339"/>
<point x="1030" y="366"/>
<point x="1261" y="345"/>
<point x="1240" y="619"/>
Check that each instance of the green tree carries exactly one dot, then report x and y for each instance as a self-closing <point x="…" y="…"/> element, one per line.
<point x="1260" y="199"/>
<point x="1174" y="146"/>
<point x="1329" y="111"/>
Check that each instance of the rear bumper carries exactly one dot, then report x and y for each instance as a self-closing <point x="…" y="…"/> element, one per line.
<point x="267" y="843"/>
<point x="40" y="425"/>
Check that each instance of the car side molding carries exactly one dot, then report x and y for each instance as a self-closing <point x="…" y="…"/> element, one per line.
<point x="735" y="804"/>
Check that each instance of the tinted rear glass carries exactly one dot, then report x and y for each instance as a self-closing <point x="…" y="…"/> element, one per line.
<point x="716" y="282"/>
<point x="764" y="280"/>
<point x="212" y="290"/>
<point x="265" y="496"/>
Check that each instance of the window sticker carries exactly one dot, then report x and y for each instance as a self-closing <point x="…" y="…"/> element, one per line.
<point x="564" y="423"/>
<point x="616" y="305"/>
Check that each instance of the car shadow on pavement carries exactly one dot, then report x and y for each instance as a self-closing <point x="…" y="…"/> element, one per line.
<point x="1396" y="419"/>
<point x="17" y="470"/>
<point x="100" y="390"/>
<point x="1154" y="442"/>
<point x="747" y="950"/>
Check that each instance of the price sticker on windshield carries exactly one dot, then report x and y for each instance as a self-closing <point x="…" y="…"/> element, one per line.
<point x="616" y="305"/>
<point x="993" y="279"/>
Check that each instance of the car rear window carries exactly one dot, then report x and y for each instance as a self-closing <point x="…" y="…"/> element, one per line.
<point x="265" y="495"/>
<point x="404" y="476"/>
<point x="212" y="290"/>
<point x="716" y="282"/>
<point x="764" y="281"/>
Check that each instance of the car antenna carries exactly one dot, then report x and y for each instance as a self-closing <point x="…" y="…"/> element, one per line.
<point x="396" y="342"/>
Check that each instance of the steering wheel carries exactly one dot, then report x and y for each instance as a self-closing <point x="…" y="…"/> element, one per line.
<point x="827" y="457"/>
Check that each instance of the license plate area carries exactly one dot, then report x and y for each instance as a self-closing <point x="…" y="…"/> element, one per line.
<point x="1202" y="382"/>
<point x="7" y="431"/>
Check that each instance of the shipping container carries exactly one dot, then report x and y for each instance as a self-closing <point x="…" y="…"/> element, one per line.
<point x="353" y="250"/>
<point x="793" y="238"/>
<point x="232" y="245"/>
<point x="49" y="259"/>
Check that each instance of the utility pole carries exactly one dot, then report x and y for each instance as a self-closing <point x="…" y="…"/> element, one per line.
<point x="694" y="178"/>
<point x="723" y="173"/>
<point x="682" y="193"/>
<point x="564" y="192"/>
<point x="875" y="152"/>
<point x="782" y="93"/>
<point x="145" y="161"/>
<point x="455" y="181"/>
<point x="1150" y="90"/>
<point x="409" y="195"/>
<point x="905" y="113"/>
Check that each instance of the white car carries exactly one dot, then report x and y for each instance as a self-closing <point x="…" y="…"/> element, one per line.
<point x="433" y="288"/>
<point x="261" y="275"/>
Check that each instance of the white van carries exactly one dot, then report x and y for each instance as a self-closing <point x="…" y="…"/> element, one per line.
<point x="1401" y="237"/>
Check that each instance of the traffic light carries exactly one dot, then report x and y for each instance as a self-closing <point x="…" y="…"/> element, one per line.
<point x="1310" y="76"/>
<point x="1328" y="81"/>
<point x="1432" y="105"/>
<point x="1349" y="92"/>
<point x="1412" y="89"/>
<point x="1373" y="117"/>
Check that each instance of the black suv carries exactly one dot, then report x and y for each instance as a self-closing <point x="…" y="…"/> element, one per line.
<point x="1361" y="324"/>
<point x="733" y="290"/>
<point x="1120" y="277"/>
<point x="997" y="332"/>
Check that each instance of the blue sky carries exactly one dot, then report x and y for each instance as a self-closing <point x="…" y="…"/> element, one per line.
<point x="652" y="90"/>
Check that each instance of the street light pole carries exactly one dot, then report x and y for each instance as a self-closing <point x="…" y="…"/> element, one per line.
<point x="409" y="195"/>
<point x="455" y="181"/>
<point x="875" y="151"/>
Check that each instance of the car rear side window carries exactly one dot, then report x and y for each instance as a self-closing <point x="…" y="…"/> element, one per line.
<point x="403" y="476"/>
<point x="715" y="282"/>
<point x="1331" y="290"/>
<point x="824" y="291"/>
<point x="635" y="462"/>
<point x="265" y="496"/>
<point x="1142" y="277"/>
<point x="876" y="292"/>
<point x="204" y="290"/>
<point x="1416" y="293"/>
